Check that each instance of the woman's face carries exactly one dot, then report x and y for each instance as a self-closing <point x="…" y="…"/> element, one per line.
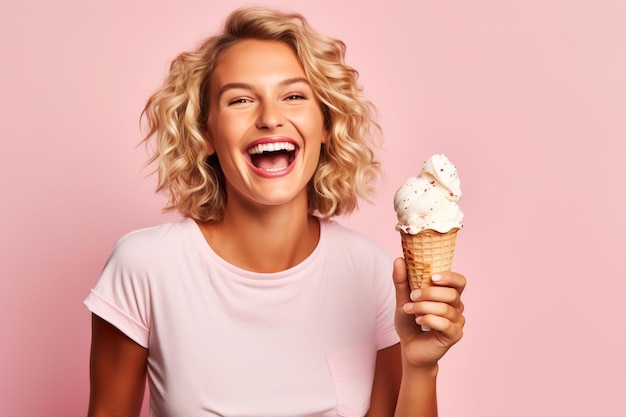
<point x="265" y="123"/>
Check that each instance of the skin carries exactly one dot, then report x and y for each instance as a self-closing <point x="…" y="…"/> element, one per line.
<point x="117" y="371"/>
<point x="438" y="307"/>
<point x="258" y="91"/>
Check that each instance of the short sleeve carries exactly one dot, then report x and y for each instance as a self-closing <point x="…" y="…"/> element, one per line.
<point x="122" y="294"/>
<point x="386" y="334"/>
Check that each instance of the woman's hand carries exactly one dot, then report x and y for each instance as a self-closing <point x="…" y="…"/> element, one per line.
<point x="438" y="306"/>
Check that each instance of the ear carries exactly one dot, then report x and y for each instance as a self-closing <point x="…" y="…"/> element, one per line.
<point x="210" y="149"/>
<point x="325" y="136"/>
<point x="327" y="124"/>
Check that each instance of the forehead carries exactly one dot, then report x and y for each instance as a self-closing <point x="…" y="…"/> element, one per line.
<point x="252" y="59"/>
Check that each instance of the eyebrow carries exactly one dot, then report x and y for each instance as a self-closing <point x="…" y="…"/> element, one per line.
<point x="244" y="86"/>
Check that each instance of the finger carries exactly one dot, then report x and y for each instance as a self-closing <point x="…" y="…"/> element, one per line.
<point x="446" y="295"/>
<point x="423" y="308"/>
<point x="401" y="283"/>
<point x="452" y="330"/>
<point x="405" y="323"/>
<point x="450" y="279"/>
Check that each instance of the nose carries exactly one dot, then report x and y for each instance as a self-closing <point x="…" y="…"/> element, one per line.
<point x="270" y="116"/>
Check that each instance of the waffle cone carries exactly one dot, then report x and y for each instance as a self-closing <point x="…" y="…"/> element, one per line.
<point x="426" y="253"/>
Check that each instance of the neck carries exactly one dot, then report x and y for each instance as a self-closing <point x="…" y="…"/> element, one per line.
<point x="269" y="240"/>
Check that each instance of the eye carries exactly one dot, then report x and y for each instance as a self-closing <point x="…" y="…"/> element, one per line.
<point x="295" y="96"/>
<point x="239" y="100"/>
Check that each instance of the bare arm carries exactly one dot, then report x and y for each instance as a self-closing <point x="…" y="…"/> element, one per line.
<point x="405" y="382"/>
<point x="415" y="395"/>
<point x="117" y="372"/>
<point x="386" y="382"/>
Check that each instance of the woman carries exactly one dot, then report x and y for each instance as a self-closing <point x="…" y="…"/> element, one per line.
<point x="257" y="304"/>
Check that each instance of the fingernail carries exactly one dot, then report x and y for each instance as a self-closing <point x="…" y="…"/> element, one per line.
<point x="415" y="295"/>
<point x="408" y="308"/>
<point x="436" y="277"/>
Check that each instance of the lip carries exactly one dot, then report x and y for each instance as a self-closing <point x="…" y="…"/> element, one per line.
<point x="266" y="140"/>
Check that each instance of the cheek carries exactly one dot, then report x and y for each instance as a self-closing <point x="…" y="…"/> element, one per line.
<point x="219" y="134"/>
<point x="313" y="123"/>
<point x="230" y="126"/>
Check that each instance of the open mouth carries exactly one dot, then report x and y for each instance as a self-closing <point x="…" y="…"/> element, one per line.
<point x="272" y="157"/>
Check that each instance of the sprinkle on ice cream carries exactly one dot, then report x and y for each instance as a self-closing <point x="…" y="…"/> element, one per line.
<point x="429" y="201"/>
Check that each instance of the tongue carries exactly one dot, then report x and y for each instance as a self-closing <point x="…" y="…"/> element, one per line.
<point x="271" y="160"/>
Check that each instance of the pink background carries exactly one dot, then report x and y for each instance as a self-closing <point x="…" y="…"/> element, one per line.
<point x="527" y="98"/>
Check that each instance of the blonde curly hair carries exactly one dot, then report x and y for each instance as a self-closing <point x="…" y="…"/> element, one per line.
<point x="178" y="111"/>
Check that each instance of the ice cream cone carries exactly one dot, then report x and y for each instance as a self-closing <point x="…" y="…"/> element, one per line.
<point x="426" y="253"/>
<point x="428" y="203"/>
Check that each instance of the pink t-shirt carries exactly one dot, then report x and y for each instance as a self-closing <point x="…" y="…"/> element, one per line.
<point x="224" y="341"/>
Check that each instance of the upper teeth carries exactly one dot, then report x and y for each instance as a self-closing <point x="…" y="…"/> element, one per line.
<point x="271" y="147"/>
